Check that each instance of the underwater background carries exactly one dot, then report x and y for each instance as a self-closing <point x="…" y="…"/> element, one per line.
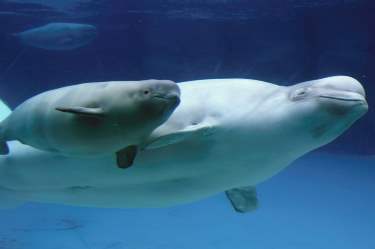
<point x="325" y="200"/>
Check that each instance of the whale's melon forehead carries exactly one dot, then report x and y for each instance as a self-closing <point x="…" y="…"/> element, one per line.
<point x="343" y="83"/>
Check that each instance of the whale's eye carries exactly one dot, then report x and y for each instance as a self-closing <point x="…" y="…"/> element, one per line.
<point x="300" y="93"/>
<point x="146" y="92"/>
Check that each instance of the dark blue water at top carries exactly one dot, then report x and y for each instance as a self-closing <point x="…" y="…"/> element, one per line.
<point x="283" y="42"/>
<point x="321" y="202"/>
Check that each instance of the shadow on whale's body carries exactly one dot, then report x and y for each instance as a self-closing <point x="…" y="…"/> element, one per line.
<point x="226" y="135"/>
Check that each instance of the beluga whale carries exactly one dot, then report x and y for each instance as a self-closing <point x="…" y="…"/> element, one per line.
<point x="58" y="36"/>
<point x="92" y="119"/>
<point x="227" y="135"/>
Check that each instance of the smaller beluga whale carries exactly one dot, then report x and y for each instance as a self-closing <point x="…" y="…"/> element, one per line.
<point x="92" y="119"/>
<point x="58" y="36"/>
<point x="226" y="135"/>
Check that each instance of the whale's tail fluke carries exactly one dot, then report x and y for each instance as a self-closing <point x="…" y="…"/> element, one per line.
<point x="4" y="112"/>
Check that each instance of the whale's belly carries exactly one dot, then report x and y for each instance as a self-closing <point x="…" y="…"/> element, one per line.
<point x="163" y="177"/>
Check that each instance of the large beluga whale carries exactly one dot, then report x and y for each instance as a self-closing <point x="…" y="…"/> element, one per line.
<point x="58" y="36"/>
<point x="92" y="119"/>
<point x="227" y="135"/>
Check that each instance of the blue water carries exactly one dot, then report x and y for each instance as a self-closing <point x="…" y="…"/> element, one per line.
<point x="324" y="201"/>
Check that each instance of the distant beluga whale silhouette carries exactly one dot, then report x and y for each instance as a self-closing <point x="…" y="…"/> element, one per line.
<point x="58" y="36"/>
<point x="92" y="119"/>
<point x="53" y="36"/>
<point x="226" y="135"/>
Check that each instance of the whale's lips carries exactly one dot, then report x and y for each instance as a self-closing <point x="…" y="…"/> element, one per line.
<point x="345" y="97"/>
<point x="172" y="99"/>
<point x="340" y="98"/>
<point x="342" y="90"/>
<point x="342" y="102"/>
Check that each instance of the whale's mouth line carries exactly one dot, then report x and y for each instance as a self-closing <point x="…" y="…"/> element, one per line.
<point x="341" y="98"/>
<point x="166" y="98"/>
<point x="161" y="97"/>
<point x="175" y="99"/>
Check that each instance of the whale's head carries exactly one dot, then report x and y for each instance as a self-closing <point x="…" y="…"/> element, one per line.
<point x="318" y="111"/>
<point x="158" y="96"/>
<point x="142" y="104"/>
